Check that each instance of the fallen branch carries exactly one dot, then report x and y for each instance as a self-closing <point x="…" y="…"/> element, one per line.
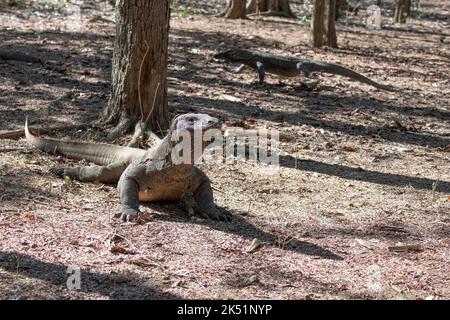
<point x="407" y="248"/>
<point x="19" y="133"/>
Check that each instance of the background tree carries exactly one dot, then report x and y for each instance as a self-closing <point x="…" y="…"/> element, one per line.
<point x="330" y="24"/>
<point x="402" y="10"/>
<point x="323" y="23"/>
<point x="235" y="10"/>
<point x="317" y="23"/>
<point x="139" y="71"/>
<point x="343" y="5"/>
<point x="271" y="7"/>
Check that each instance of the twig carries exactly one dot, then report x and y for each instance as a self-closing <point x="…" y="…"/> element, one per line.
<point x="116" y="234"/>
<point x="139" y="81"/>
<point x="153" y="106"/>
<point x="143" y="123"/>
<point x="217" y="189"/>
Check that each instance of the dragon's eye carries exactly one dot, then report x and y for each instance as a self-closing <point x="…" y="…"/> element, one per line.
<point x="191" y="120"/>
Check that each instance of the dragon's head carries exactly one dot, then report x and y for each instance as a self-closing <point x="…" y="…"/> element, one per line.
<point x="194" y="121"/>
<point x="190" y="136"/>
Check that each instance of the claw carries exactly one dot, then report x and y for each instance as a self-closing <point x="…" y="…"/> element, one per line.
<point x="127" y="215"/>
<point x="215" y="214"/>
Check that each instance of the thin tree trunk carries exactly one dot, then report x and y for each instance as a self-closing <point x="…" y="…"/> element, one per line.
<point x="317" y="24"/>
<point x="235" y="10"/>
<point x="331" y="28"/>
<point x="408" y="7"/>
<point x="338" y="8"/>
<point x="402" y="8"/>
<point x="139" y="75"/>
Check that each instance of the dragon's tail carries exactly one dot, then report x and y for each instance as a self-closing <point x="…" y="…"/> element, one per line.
<point x="310" y="66"/>
<point x="99" y="153"/>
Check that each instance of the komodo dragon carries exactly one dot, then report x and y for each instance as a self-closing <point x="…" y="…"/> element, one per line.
<point x="145" y="175"/>
<point x="289" y="66"/>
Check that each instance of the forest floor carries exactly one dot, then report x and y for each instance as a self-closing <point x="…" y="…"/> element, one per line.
<point x="362" y="171"/>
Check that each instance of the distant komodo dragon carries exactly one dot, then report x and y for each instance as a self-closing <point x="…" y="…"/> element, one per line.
<point x="289" y="66"/>
<point x="142" y="175"/>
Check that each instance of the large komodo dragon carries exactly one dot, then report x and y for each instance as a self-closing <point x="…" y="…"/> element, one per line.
<point x="145" y="175"/>
<point x="289" y="66"/>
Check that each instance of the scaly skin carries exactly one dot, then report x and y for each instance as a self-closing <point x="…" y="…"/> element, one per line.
<point x="289" y="66"/>
<point x="142" y="175"/>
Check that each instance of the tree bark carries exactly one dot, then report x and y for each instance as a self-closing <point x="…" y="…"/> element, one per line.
<point x="331" y="27"/>
<point x="235" y="10"/>
<point x="408" y="7"/>
<point x="317" y="24"/>
<point x="338" y="8"/>
<point x="343" y="5"/>
<point x="271" y="7"/>
<point x="402" y="10"/>
<point x="139" y="73"/>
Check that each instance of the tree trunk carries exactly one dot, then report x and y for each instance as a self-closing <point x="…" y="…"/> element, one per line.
<point x="338" y="8"/>
<point x="139" y="73"/>
<point x="402" y="10"/>
<point x="408" y="7"/>
<point x="343" y="5"/>
<point x="271" y="8"/>
<point x="317" y="24"/>
<point x="331" y="27"/>
<point x="235" y="10"/>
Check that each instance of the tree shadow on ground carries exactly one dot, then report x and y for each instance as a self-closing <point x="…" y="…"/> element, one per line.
<point x="16" y="186"/>
<point x="359" y="174"/>
<point x="116" y="286"/>
<point x="65" y="67"/>
<point x="399" y="135"/>
<point x="242" y="227"/>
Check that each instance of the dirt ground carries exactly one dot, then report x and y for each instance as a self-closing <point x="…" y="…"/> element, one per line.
<point x="362" y="171"/>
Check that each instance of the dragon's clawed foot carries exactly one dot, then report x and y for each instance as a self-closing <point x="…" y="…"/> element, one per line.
<point x="128" y="214"/>
<point x="215" y="214"/>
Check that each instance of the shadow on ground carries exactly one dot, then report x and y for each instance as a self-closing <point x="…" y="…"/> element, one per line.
<point x="242" y="227"/>
<point x="113" y="286"/>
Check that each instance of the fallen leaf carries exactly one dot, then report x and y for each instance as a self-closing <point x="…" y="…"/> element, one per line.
<point x="333" y="214"/>
<point x="348" y="149"/>
<point x="119" y="249"/>
<point x="230" y="98"/>
<point x="397" y="289"/>
<point x="366" y="244"/>
<point x="254" y="246"/>
<point x="253" y="279"/>
<point x="30" y="216"/>
<point x="401" y="149"/>
<point x="178" y="283"/>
